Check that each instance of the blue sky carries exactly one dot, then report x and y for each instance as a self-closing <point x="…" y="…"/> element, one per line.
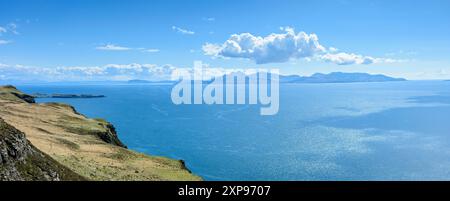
<point x="399" y="38"/>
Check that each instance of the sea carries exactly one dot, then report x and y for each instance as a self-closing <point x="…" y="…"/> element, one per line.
<point x="328" y="131"/>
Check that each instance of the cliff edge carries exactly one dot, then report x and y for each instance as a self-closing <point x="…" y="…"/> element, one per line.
<point x="89" y="148"/>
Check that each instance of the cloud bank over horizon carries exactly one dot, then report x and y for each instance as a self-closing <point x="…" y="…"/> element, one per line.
<point x="109" y="72"/>
<point x="151" y="72"/>
<point x="284" y="47"/>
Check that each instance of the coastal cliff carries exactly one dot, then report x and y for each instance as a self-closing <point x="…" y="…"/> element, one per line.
<point x="77" y="147"/>
<point x="21" y="161"/>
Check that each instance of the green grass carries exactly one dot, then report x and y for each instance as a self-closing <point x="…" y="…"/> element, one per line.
<point x="32" y="169"/>
<point x="9" y="97"/>
<point x="9" y="89"/>
<point x="123" y="155"/>
<point x="33" y="165"/>
<point x="10" y="93"/>
<point x="81" y="126"/>
<point x="69" y="144"/>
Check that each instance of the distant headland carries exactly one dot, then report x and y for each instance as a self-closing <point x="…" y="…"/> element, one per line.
<point x="137" y="81"/>
<point x="334" y="77"/>
<point x="40" y="95"/>
<point x="338" y="77"/>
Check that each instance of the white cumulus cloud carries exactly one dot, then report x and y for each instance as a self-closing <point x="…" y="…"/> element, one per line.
<point x="211" y="49"/>
<point x="283" y="47"/>
<point x="273" y="48"/>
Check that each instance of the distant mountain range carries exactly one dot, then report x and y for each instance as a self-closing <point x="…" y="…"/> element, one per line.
<point x="337" y="77"/>
<point x="334" y="77"/>
<point x="137" y="81"/>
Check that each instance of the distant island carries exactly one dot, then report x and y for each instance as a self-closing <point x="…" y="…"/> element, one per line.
<point x="137" y="81"/>
<point x="334" y="77"/>
<point x="338" y="77"/>
<point x="40" y="95"/>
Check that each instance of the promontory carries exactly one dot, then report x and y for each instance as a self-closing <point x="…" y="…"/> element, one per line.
<point x="52" y="141"/>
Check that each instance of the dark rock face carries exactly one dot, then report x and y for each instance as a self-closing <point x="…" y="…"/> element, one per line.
<point x="25" y="97"/>
<point x="110" y="136"/>
<point x="21" y="161"/>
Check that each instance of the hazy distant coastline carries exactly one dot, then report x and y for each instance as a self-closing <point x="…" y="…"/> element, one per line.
<point x="41" y="95"/>
<point x="334" y="77"/>
<point x="338" y="77"/>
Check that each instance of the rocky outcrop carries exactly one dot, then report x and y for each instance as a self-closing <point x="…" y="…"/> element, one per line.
<point x="110" y="135"/>
<point x="27" y="98"/>
<point x="21" y="161"/>
<point x="97" y="127"/>
<point x="19" y="95"/>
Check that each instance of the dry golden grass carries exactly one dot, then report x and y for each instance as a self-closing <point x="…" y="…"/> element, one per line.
<point x="68" y="137"/>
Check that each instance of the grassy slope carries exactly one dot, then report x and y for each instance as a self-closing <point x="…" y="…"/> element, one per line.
<point x="22" y="161"/>
<point x="73" y="140"/>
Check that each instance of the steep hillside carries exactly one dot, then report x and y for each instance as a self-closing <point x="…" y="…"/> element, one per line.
<point x="21" y="161"/>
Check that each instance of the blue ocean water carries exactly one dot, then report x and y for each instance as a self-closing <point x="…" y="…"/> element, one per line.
<point x="347" y="131"/>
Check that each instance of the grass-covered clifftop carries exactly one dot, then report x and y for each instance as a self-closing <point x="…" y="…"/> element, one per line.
<point x="10" y="93"/>
<point x="88" y="147"/>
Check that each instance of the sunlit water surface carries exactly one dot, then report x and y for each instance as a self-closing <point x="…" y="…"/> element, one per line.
<point x="354" y="131"/>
